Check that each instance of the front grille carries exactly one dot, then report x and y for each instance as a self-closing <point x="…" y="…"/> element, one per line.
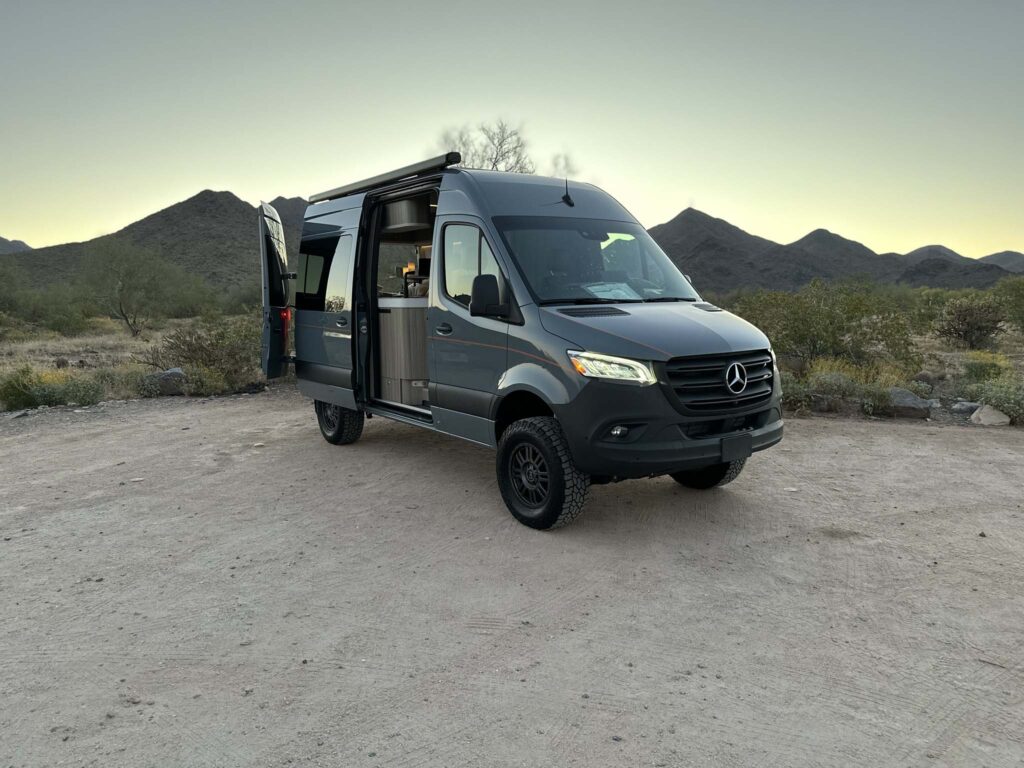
<point x="699" y="382"/>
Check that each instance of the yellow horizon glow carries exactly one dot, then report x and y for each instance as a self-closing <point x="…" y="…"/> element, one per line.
<point x="895" y="125"/>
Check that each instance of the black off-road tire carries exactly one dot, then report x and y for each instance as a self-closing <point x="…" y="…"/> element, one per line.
<point x="710" y="477"/>
<point x="338" y="425"/>
<point x="539" y="442"/>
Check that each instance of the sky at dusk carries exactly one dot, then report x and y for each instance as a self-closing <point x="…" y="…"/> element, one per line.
<point x="898" y="124"/>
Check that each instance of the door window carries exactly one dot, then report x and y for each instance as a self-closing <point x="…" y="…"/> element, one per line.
<point x="339" y="280"/>
<point x="466" y="255"/>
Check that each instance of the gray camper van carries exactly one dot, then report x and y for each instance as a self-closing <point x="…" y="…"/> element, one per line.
<point x="531" y="315"/>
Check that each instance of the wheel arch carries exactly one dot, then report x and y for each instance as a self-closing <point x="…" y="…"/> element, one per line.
<point x="521" y="403"/>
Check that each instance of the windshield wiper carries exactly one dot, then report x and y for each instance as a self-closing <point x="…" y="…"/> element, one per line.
<point x="588" y="300"/>
<point x="668" y="298"/>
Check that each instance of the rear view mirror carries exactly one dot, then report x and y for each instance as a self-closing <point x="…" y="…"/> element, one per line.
<point x="485" y="300"/>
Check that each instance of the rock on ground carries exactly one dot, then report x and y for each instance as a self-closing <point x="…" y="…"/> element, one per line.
<point x="908" y="405"/>
<point x="166" y="383"/>
<point x="965" y="406"/>
<point x="990" y="417"/>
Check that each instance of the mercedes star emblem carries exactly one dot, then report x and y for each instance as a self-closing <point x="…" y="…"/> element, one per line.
<point x="736" y="378"/>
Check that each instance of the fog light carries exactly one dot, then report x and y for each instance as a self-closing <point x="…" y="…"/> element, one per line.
<point x="619" y="431"/>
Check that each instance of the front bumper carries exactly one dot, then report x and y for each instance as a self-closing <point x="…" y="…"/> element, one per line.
<point x="660" y="439"/>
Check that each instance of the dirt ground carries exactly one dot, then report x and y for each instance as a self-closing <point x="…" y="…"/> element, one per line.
<point x="209" y="583"/>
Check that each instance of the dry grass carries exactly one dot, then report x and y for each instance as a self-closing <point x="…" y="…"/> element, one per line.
<point x="106" y="345"/>
<point x="940" y="356"/>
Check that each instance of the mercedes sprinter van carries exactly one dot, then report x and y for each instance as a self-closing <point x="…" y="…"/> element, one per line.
<point x="531" y="315"/>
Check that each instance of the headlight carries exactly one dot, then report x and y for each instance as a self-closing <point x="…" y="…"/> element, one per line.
<point x="612" y="368"/>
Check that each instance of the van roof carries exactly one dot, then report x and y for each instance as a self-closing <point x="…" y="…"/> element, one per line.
<point x="512" y="194"/>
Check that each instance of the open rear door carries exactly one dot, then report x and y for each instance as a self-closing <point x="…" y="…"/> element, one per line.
<point x="276" y="293"/>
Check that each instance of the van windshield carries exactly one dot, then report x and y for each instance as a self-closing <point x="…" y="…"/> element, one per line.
<point x="591" y="261"/>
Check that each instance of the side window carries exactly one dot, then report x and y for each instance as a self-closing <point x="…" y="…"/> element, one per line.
<point x="340" y="277"/>
<point x="314" y="257"/>
<point x="466" y="255"/>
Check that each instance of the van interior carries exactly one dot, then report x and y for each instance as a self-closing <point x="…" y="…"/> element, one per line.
<point x="400" y="263"/>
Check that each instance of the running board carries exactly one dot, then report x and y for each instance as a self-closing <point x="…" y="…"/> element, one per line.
<point x="404" y="414"/>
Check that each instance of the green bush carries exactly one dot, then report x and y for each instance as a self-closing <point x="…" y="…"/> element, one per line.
<point x="833" y="385"/>
<point x="1010" y="291"/>
<point x="222" y="355"/>
<point x="27" y="388"/>
<point x="201" y="381"/>
<point x="73" y="390"/>
<point x="982" y="366"/>
<point x="875" y="399"/>
<point x="16" y="389"/>
<point x="840" y="320"/>
<point x="795" y="395"/>
<point x="122" y="382"/>
<point x="1005" y="393"/>
<point x="971" y="321"/>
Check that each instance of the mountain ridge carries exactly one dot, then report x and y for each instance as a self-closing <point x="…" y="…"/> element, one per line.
<point x="1012" y="261"/>
<point x="13" y="246"/>
<point x="213" y="234"/>
<point x="721" y="257"/>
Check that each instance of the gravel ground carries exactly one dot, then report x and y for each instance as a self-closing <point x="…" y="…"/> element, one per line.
<point x="209" y="583"/>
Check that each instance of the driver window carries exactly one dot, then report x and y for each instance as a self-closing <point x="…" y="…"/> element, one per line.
<point x="466" y="255"/>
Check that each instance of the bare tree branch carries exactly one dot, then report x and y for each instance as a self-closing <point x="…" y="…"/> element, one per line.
<point x="497" y="146"/>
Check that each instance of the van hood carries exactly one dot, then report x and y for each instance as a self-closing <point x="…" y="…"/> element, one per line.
<point x="653" y="331"/>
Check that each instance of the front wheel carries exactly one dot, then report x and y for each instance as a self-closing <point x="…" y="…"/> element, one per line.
<point x="539" y="482"/>
<point x="338" y="425"/>
<point x="710" y="477"/>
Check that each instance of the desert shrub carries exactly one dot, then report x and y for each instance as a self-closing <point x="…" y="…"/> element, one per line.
<point x="1010" y="292"/>
<point x="119" y="383"/>
<point x="1005" y="393"/>
<point x="201" y="381"/>
<point x="886" y="373"/>
<point x="223" y="355"/>
<point x="982" y="366"/>
<point x="875" y="399"/>
<point x="971" y="321"/>
<point x="833" y="384"/>
<point x="13" y="328"/>
<point x="66" y="388"/>
<point x="919" y="388"/>
<point x="16" y="389"/>
<point x="795" y="395"/>
<point x="840" y="320"/>
<point x="27" y="388"/>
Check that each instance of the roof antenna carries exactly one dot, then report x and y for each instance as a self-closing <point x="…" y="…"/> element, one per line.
<point x="566" y="198"/>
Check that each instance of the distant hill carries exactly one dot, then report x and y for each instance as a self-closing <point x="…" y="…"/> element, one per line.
<point x="13" y="246"/>
<point x="1012" y="261"/>
<point x="212" y="234"/>
<point x="935" y="252"/>
<point x="938" y="272"/>
<point x="721" y="257"/>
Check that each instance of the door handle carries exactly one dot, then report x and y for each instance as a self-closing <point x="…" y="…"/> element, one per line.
<point x="341" y="322"/>
<point x="444" y="329"/>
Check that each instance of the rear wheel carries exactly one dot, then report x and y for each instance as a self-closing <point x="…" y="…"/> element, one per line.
<point x="539" y="482"/>
<point x="338" y="425"/>
<point x="710" y="477"/>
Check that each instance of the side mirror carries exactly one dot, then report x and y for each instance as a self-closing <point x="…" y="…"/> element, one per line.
<point x="485" y="299"/>
<point x="688" y="279"/>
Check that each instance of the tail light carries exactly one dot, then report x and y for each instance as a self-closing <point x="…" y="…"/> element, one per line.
<point x="286" y="318"/>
